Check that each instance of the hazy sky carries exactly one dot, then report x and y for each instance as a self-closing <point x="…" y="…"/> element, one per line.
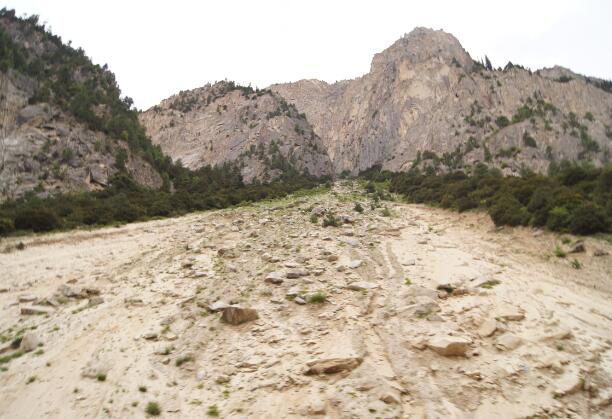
<point x="157" y="48"/>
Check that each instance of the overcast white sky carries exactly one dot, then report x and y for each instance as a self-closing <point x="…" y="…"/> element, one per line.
<point x="157" y="48"/>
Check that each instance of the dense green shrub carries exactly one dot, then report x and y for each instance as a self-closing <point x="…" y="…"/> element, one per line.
<point x="6" y="226"/>
<point x="507" y="210"/>
<point x="502" y="121"/>
<point x="574" y="198"/>
<point x="36" y="219"/>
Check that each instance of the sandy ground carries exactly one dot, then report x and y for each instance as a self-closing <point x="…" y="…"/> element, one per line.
<point x="428" y="314"/>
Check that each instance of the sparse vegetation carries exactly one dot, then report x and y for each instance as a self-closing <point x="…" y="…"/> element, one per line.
<point x="184" y="359"/>
<point x="101" y="377"/>
<point x="153" y="409"/>
<point x="560" y="253"/>
<point x="331" y="220"/>
<point x="576" y="264"/>
<point x="317" y="298"/>
<point x="358" y="207"/>
<point x="213" y="411"/>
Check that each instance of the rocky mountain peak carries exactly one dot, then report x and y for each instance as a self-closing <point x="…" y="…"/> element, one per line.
<point x="420" y="45"/>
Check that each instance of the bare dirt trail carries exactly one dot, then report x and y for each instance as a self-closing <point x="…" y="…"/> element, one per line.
<point x="427" y="314"/>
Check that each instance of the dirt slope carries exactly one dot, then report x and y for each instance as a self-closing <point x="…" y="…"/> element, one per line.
<point x="538" y="344"/>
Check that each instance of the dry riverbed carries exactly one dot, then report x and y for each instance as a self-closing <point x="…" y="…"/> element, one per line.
<point x="257" y="312"/>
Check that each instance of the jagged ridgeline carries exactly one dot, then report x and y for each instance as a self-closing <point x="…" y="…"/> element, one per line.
<point x="65" y="125"/>
<point x="73" y="152"/>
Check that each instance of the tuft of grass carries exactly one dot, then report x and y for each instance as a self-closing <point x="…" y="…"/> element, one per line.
<point x="576" y="264"/>
<point x="317" y="298"/>
<point x="331" y="220"/>
<point x="8" y="358"/>
<point x="386" y="212"/>
<point x="407" y="281"/>
<point x="358" y="207"/>
<point x="559" y="252"/>
<point x="213" y="410"/>
<point x="142" y="389"/>
<point x="39" y="352"/>
<point x="566" y="240"/>
<point x="314" y="218"/>
<point x="153" y="409"/>
<point x="31" y="379"/>
<point x="183" y="359"/>
<point x="101" y="377"/>
<point x="490" y="284"/>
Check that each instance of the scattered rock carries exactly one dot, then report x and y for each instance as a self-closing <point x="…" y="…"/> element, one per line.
<point x="95" y="301"/>
<point x="27" y="298"/>
<point x="293" y="274"/>
<point x="449" y="345"/>
<point x="577" y="247"/>
<point x="600" y="252"/>
<point x="332" y="258"/>
<point x="29" y="342"/>
<point x="354" y="264"/>
<point x="217" y="306"/>
<point x="487" y="328"/>
<point x="569" y="383"/>
<point x="274" y="278"/>
<point x="508" y="342"/>
<point x="332" y="365"/>
<point x="237" y="315"/>
<point x="362" y="286"/>
<point x="510" y="314"/>
<point x="299" y="300"/>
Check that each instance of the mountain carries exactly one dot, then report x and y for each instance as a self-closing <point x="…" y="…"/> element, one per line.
<point x="225" y="122"/>
<point x="425" y="102"/>
<point x="64" y="126"/>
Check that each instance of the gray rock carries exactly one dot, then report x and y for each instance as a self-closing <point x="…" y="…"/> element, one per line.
<point x="29" y="342"/>
<point x="362" y="286"/>
<point x="274" y="278"/>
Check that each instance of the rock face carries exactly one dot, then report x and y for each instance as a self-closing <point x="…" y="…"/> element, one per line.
<point x="425" y="94"/>
<point x="223" y="123"/>
<point x="43" y="147"/>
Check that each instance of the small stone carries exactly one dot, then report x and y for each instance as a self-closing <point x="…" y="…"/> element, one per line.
<point x="95" y="301"/>
<point x="354" y="264"/>
<point x="27" y="298"/>
<point x="487" y="328"/>
<point x="200" y="375"/>
<point x="217" y="306"/>
<point x="236" y="315"/>
<point x="600" y="252"/>
<point x="332" y="365"/>
<point x="578" y="247"/>
<point x="449" y="345"/>
<point x="332" y="258"/>
<point x="150" y="336"/>
<point x="299" y="300"/>
<point x="362" y="286"/>
<point x="508" y="342"/>
<point x="293" y="274"/>
<point x="511" y="314"/>
<point x="29" y="342"/>
<point x="570" y="383"/>
<point x="274" y="278"/>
